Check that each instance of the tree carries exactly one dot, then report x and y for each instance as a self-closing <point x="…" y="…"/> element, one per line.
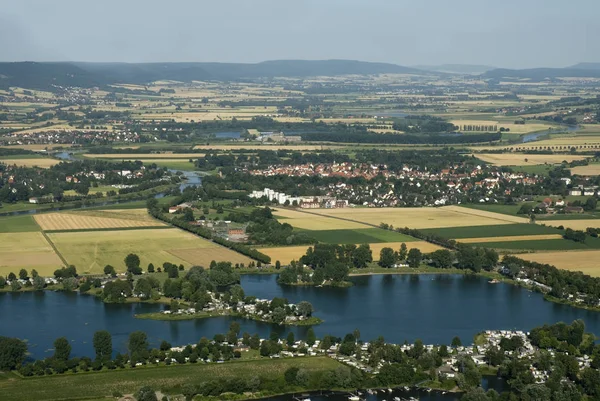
<point x="310" y="337"/>
<point x="23" y="274"/>
<point x="356" y="334"/>
<point x="109" y="270"/>
<point x="235" y="327"/>
<point x="362" y="256"/>
<point x="442" y="258"/>
<point x="132" y="261"/>
<point x="414" y="258"/>
<point x="62" y="349"/>
<point x="403" y="252"/>
<point x="34" y="273"/>
<point x="279" y="315"/>
<point x="305" y="309"/>
<point x="277" y="265"/>
<point x="456" y="342"/>
<point x="387" y="258"/>
<point x="291" y="338"/>
<point x="12" y="276"/>
<point x="12" y="353"/>
<point x="38" y="283"/>
<point x="146" y="394"/>
<point x="103" y="345"/>
<point x="137" y="344"/>
<point x="150" y="268"/>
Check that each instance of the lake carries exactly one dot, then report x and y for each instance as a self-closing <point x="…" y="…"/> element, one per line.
<point x="434" y="308"/>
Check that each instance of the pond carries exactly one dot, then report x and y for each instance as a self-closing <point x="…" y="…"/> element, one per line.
<point x="434" y="308"/>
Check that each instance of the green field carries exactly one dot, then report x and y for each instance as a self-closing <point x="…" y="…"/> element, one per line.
<point x="18" y="224"/>
<point x="358" y="236"/>
<point x="168" y="379"/>
<point x="539" y="245"/>
<point x="504" y="230"/>
<point x="510" y="210"/>
<point x="539" y="169"/>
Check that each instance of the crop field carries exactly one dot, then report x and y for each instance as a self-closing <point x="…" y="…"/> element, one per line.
<point x="564" y="142"/>
<point x="503" y="230"/>
<point x="285" y="254"/>
<point x="482" y="240"/>
<point x="421" y="218"/>
<point x="575" y="224"/>
<point x="535" y="245"/>
<point x="358" y="236"/>
<point x="143" y="156"/>
<point x="165" y="378"/>
<point x="32" y="162"/>
<point x="260" y="146"/>
<point x="583" y="261"/>
<point x="203" y="256"/>
<point x="18" y="224"/>
<point x="92" y="250"/>
<point x="314" y="222"/>
<point x="514" y="128"/>
<point x="89" y="220"/>
<point x="27" y="251"/>
<point x="589" y="170"/>
<point x="519" y="159"/>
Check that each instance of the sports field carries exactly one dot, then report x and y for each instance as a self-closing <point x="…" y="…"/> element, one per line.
<point x="89" y="220"/>
<point x="420" y="218"/>
<point x="520" y="159"/>
<point x="166" y="378"/>
<point x="27" y="250"/>
<point x="90" y="251"/>
<point x="584" y="261"/>
<point x="285" y="254"/>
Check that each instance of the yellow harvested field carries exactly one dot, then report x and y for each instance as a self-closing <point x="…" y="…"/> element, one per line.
<point x="36" y="147"/>
<point x="203" y="257"/>
<point x="421" y="218"/>
<point x="259" y="146"/>
<point x="589" y="170"/>
<point x="587" y="262"/>
<point x="92" y="250"/>
<point x="574" y="224"/>
<point x="89" y="220"/>
<point x="285" y="254"/>
<point x="144" y="156"/>
<point x="514" y="128"/>
<point x="313" y="222"/>
<point x="27" y="251"/>
<point x="510" y="238"/>
<point x="41" y="162"/>
<point x="519" y="159"/>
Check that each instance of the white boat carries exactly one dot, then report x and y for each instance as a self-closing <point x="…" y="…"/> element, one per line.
<point x="353" y="398"/>
<point x="389" y="390"/>
<point x="396" y="398"/>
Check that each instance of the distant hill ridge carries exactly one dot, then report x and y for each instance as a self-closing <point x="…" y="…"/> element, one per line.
<point x="41" y="75"/>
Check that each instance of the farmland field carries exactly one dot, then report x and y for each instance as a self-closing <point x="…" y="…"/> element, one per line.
<point x="165" y="378"/>
<point x="481" y="240"/>
<point x="32" y="162"/>
<point x="589" y="170"/>
<point x="503" y="230"/>
<point x="315" y="222"/>
<point x="519" y="159"/>
<point x="575" y="224"/>
<point x="92" y="250"/>
<point x="421" y="218"/>
<point x="535" y="245"/>
<point x="27" y="251"/>
<point x="358" y="236"/>
<point x="18" y="224"/>
<point x="143" y="156"/>
<point x="285" y="254"/>
<point x="584" y="261"/>
<point x="89" y="220"/>
<point x="203" y="256"/>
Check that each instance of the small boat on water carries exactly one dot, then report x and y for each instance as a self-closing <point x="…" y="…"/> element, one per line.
<point x="353" y="398"/>
<point x="493" y="281"/>
<point x="396" y="398"/>
<point x="389" y="390"/>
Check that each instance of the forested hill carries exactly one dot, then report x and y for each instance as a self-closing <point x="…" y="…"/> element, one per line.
<point x="587" y="70"/>
<point x="37" y="75"/>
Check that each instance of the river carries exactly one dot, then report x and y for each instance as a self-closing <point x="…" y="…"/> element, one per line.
<point x="434" y="308"/>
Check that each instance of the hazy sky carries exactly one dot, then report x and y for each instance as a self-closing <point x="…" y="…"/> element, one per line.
<point x="503" y="33"/>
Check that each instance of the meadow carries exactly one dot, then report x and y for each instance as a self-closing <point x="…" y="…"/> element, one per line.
<point x="503" y="230"/>
<point x="168" y="379"/>
<point x="358" y="236"/>
<point x="536" y="245"/>
<point x="90" y="220"/>
<point x="27" y="250"/>
<point x="90" y="251"/>
<point x="18" y="224"/>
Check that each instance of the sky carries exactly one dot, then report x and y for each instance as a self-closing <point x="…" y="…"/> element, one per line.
<point x="500" y="33"/>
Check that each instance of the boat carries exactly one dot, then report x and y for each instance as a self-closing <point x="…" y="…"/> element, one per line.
<point x="389" y="390"/>
<point x="493" y="281"/>
<point x="406" y="388"/>
<point x="396" y="398"/>
<point x="353" y="398"/>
